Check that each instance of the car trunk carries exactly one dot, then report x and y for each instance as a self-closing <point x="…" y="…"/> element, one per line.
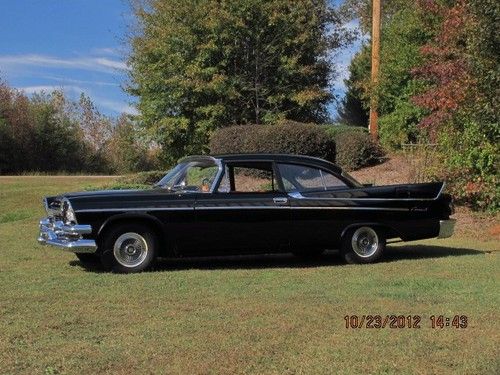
<point x="430" y="190"/>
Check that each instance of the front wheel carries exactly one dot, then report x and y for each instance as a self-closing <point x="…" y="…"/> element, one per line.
<point x="363" y="245"/>
<point x="129" y="248"/>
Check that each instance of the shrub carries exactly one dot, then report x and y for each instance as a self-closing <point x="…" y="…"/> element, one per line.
<point x="400" y="126"/>
<point x="285" y="137"/>
<point x="470" y="166"/>
<point x="356" y="149"/>
<point x="142" y="178"/>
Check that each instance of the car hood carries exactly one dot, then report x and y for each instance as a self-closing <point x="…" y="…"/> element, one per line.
<point x="112" y="193"/>
<point x="121" y="199"/>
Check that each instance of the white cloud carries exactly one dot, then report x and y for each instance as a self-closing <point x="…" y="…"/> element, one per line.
<point x="65" y="81"/>
<point x="103" y="61"/>
<point x="47" y="73"/>
<point x="98" y="64"/>
<point x="116" y="106"/>
<point x="51" y="88"/>
<point x="110" y="51"/>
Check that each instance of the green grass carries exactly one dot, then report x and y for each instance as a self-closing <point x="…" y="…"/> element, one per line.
<point x="272" y="314"/>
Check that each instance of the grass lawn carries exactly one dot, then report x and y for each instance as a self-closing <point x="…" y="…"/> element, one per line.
<point x="266" y="314"/>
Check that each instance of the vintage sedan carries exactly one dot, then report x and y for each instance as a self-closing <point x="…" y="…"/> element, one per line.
<point x="241" y="204"/>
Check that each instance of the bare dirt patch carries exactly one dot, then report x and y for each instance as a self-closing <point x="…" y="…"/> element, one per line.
<point x="395" y="170"/>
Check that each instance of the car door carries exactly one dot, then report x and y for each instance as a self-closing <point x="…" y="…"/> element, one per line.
<point x="246" y="214"/>
<point x="316" y="219"/>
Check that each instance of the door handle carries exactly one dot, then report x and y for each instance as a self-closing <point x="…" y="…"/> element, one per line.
<point x="280" y="200"/>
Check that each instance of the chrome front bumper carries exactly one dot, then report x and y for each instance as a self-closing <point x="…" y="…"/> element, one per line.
<point x="66" y="237"/>
<point x="446" y="228"/>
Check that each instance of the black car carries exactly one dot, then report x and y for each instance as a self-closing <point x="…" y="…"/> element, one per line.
<point x="241" y="204"/>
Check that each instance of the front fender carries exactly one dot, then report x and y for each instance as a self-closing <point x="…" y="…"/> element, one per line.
<point x="132" y="216"/>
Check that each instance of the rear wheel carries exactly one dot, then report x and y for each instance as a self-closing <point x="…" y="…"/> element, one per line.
<point x="129" y="248"/>
<point x="363" y="245"/>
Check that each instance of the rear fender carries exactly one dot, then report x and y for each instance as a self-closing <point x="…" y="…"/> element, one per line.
<point x="389" y="231"/>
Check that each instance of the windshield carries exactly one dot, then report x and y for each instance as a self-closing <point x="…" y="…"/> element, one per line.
<point x="191" y="176"/>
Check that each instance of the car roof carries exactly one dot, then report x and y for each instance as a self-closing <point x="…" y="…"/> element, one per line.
<point x="284" y="158"/>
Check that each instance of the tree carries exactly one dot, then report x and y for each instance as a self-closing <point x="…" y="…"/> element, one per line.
<point x="405" y="29"/>
<point x="125" y="150"/>
<point x="200" y="65"/>
<point x="461" y="99"/>
<point x="353" y="109"/>
<point x="462" y="66"/>
<point x="362" y="11"/>
<point x="447" y="67"/>
<point x="16" y="129"/>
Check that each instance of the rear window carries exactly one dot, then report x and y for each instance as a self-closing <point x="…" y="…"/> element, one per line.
<point x="303" y="178"/>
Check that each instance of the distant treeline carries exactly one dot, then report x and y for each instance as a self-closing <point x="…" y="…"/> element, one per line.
<point x="49" y="133"/>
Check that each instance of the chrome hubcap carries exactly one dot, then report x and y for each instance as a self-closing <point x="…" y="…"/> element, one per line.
<point x="365" y="242"/>
<point x="130" y="249"/>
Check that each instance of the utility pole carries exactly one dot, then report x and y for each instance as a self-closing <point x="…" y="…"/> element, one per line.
<point x="373" y="125"/>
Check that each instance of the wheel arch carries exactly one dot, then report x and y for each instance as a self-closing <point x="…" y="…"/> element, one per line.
<point x="389" y="231"/>
<point x="140" y="218"/>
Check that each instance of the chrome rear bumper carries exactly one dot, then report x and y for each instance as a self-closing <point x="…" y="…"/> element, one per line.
<point x="66" y="237"/>
<point x="446" y="228"/>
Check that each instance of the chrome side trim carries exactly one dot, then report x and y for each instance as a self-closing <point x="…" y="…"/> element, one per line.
<point x="446" y="228"/>
<point x="355" y="208"/>
<point x="298" y="195"/>
<point x="66" y="237"/>
<point x="302" y="208"/>
<point x="136" y="209"/>
<point x="242" y="208"/>
<point x="440" y="191"/>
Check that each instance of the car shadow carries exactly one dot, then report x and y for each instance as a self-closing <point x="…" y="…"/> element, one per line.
<point x="413" y="252"/>
<point x="329" y="258"/>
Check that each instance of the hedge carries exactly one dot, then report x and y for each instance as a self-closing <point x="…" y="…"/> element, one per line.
<point x="356" y="149"/>
<point x="141" y="180"/>
<point x="286" y="138"/>
<point x="350" y="147"/>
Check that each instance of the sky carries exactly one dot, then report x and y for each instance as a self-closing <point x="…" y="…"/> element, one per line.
<point x="79" y="46"/>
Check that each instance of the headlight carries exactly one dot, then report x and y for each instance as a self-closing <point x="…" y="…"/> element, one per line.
<point x="67" y="212"/>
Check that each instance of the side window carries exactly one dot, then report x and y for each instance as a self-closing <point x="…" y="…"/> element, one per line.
<point x="332" y="182"/>
<point x="200" y="176"/>
<point x="252" y="180"/>
<point x="303" y="178"/>
<point x="248" y="178"/>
